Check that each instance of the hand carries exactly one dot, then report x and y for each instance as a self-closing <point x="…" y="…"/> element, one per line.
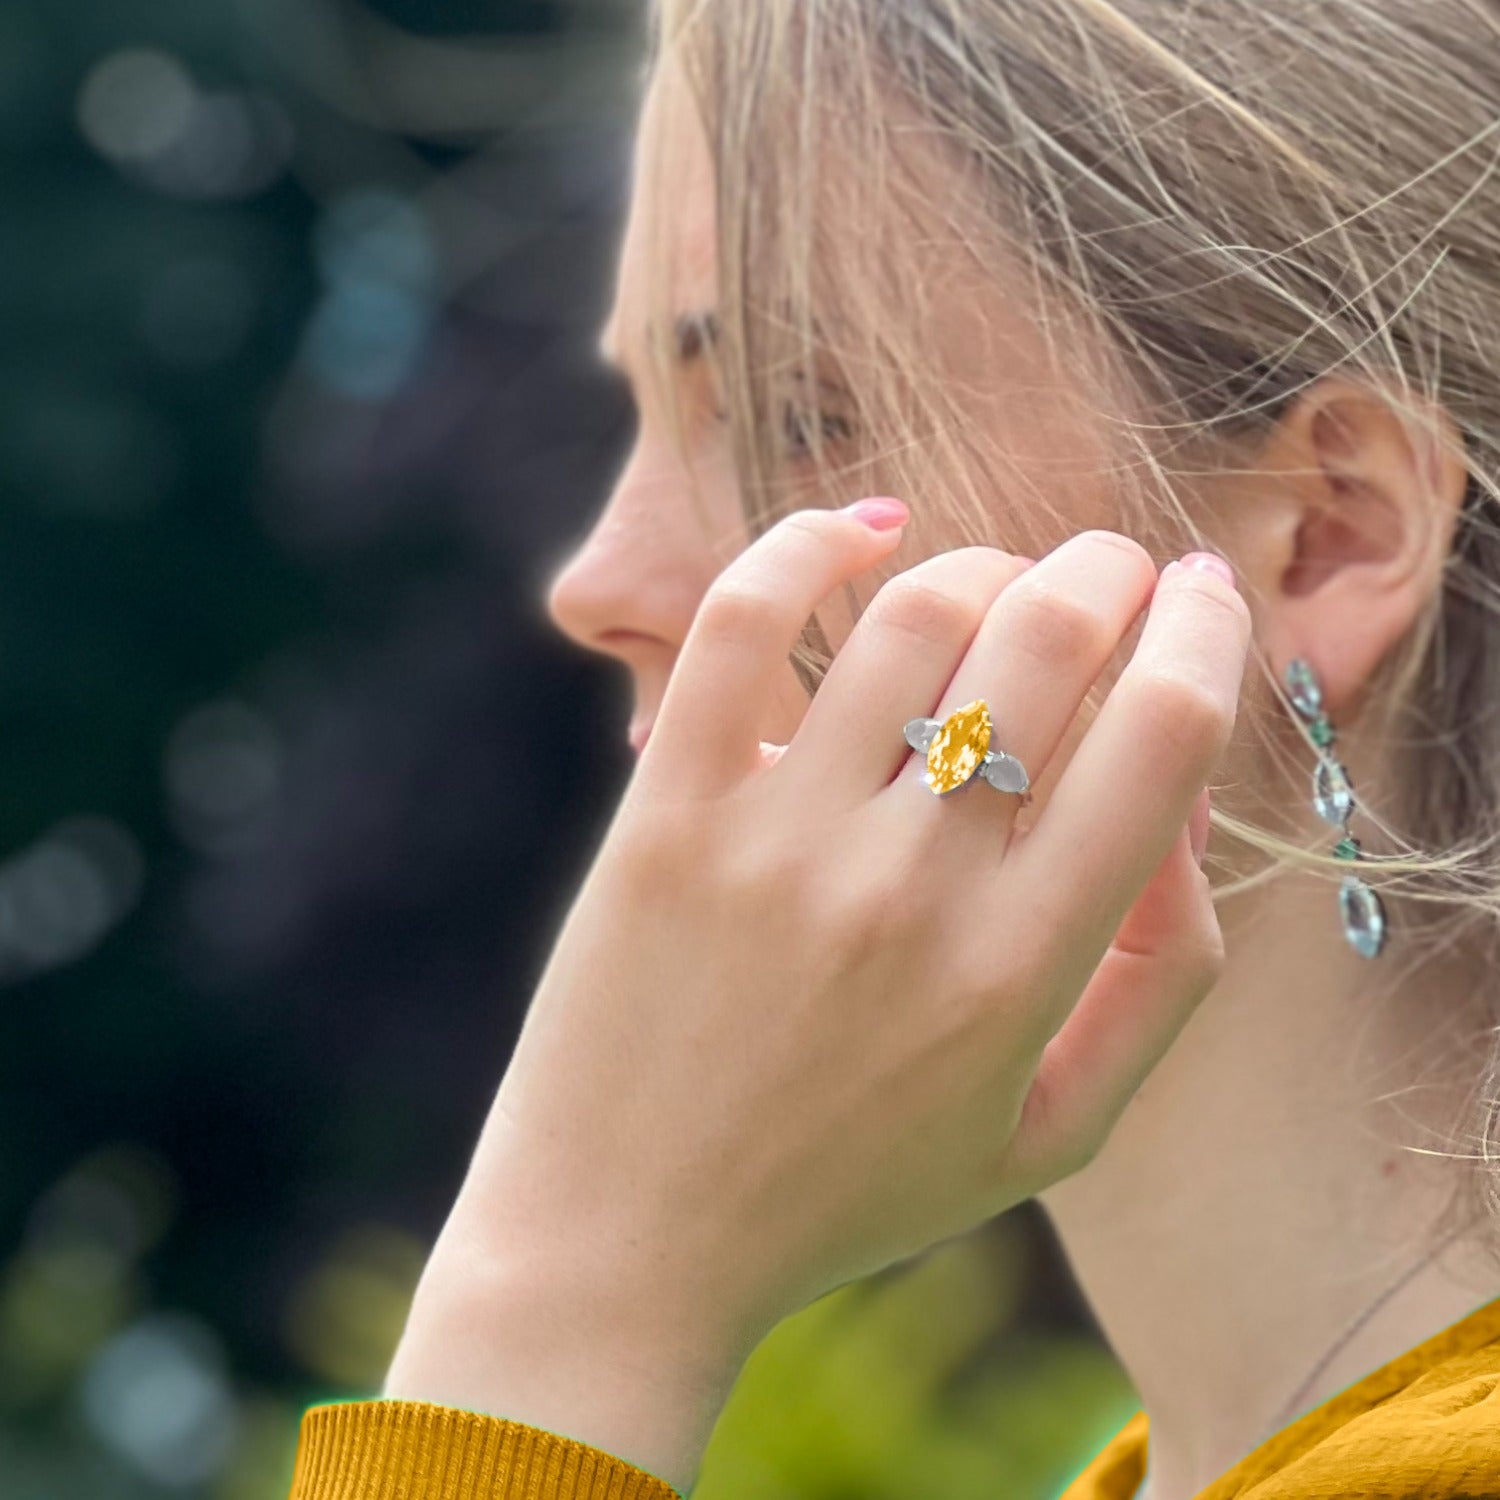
<point x="806" y="1018"/>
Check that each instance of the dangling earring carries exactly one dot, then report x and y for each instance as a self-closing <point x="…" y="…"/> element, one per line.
<point x="1360" y="906"/>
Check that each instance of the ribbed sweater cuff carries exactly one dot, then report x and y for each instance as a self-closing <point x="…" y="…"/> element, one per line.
<point x="394" y="1450"/>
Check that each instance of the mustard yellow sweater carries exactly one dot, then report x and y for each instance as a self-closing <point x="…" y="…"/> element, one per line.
<point x="1424" y="1426"/>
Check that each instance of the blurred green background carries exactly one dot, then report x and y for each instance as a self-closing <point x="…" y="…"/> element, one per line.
<point x="300" y="410"/>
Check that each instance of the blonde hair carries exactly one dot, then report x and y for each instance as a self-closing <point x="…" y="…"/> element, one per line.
<point x="1233" y="198"/>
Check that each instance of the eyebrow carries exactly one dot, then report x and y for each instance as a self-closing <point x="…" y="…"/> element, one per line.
<point x="693" y="332"/>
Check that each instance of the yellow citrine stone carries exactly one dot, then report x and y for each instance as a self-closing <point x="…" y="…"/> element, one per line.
<point x="959" y="746"/>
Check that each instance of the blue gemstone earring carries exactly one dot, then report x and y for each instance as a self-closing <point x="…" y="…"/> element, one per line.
<point x="1360" y="906"/>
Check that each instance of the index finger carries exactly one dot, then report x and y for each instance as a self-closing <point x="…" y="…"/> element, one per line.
<point x="706" y="736"/>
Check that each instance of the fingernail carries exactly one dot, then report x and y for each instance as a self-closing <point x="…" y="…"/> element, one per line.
<point x="1209" y="562"/>
<point x="1198" y="826"/>
<point x="880" y="513"/>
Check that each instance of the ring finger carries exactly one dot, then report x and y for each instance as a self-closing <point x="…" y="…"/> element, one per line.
<point x="903" y="649"/>
<point x="1040" y="649"/>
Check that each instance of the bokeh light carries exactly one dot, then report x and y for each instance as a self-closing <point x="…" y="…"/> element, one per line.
<point x="379" y="265"/>
<point x="223" y="770"/>
<point x="120" y="1199"/>
<point x="158" y="1394"/>
<point x="63" y="894"/>
<point x="135" y="103"/>
<point x="140" y="108"/>
<point x="343" y="1320"/>
<point x="301" y="408"/>
<point x="56" y="1305"/>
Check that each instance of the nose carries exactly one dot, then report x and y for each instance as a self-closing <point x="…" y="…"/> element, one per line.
<point x="587" y="599"/>
<point x="630" y="588"/>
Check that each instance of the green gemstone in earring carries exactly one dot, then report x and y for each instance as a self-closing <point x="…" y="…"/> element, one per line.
<point x="1360" y="906"/>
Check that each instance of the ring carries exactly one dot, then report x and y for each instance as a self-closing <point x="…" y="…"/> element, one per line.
<point x="958" y="747"/>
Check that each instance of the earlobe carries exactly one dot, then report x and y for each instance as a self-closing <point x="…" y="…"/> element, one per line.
<point x="1376" y="480"/>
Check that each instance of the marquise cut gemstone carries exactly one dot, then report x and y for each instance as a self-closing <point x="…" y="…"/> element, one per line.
<point x="1364" y="916"/>
<point x="1333" y="792"/>
<point x="1303" y="689"/>
<point x="959" y="746"/>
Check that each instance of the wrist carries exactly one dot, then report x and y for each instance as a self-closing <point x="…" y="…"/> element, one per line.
<point x="614" y="1359"/>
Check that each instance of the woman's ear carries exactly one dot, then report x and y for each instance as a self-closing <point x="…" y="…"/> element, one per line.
<point x="1347" y="525"/>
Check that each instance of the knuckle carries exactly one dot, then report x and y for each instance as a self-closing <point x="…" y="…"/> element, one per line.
<point x="642" y="870"/>
<point x="1206" y="964"/>
<point x="757" y="874"/>
<point x="811" y="522"/>
<point x="855" y="927"/>
<point x="1186" y="714"/>
<point x="1121" y="542"/>
<point x="926" y="610"/>
<point x="870" y="912"/>
<point x="1075" y="1148"/>
<point x="992" y="564"/>
<point x="1201" y="953"/>
<point x="1072" y="1137"/>
<point x="1054" y="627"/>
<point x="736" y="610"/>
<point x="1017" y="995"/>
<point x="655" y="842"/>
<point x="1217" y="599"/>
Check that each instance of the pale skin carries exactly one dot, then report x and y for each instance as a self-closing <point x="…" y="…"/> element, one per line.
<point x="688" y="1146"/>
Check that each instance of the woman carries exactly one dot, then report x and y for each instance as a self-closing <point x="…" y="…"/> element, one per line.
<point x="1095" y="284"/>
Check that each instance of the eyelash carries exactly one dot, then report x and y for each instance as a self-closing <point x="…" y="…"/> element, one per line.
<point x="795" y="426"/>
<point x="796" y="420"/>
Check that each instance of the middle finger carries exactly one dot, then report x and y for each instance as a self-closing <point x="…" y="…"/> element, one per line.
<point x="1040" y="649"/>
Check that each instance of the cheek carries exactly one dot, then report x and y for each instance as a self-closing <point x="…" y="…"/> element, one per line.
<point x="1034" y="418"/>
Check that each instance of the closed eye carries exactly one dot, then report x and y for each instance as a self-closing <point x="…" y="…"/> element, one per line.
<point x="799" y="423"/>
<point x="806" y="425"/>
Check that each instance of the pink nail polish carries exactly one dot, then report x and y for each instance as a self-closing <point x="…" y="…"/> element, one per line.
<point x="1209" y="562"/>
<point x="880" y="513"/>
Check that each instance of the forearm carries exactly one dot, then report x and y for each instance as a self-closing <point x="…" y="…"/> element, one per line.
<point x="605" y="1361"/>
